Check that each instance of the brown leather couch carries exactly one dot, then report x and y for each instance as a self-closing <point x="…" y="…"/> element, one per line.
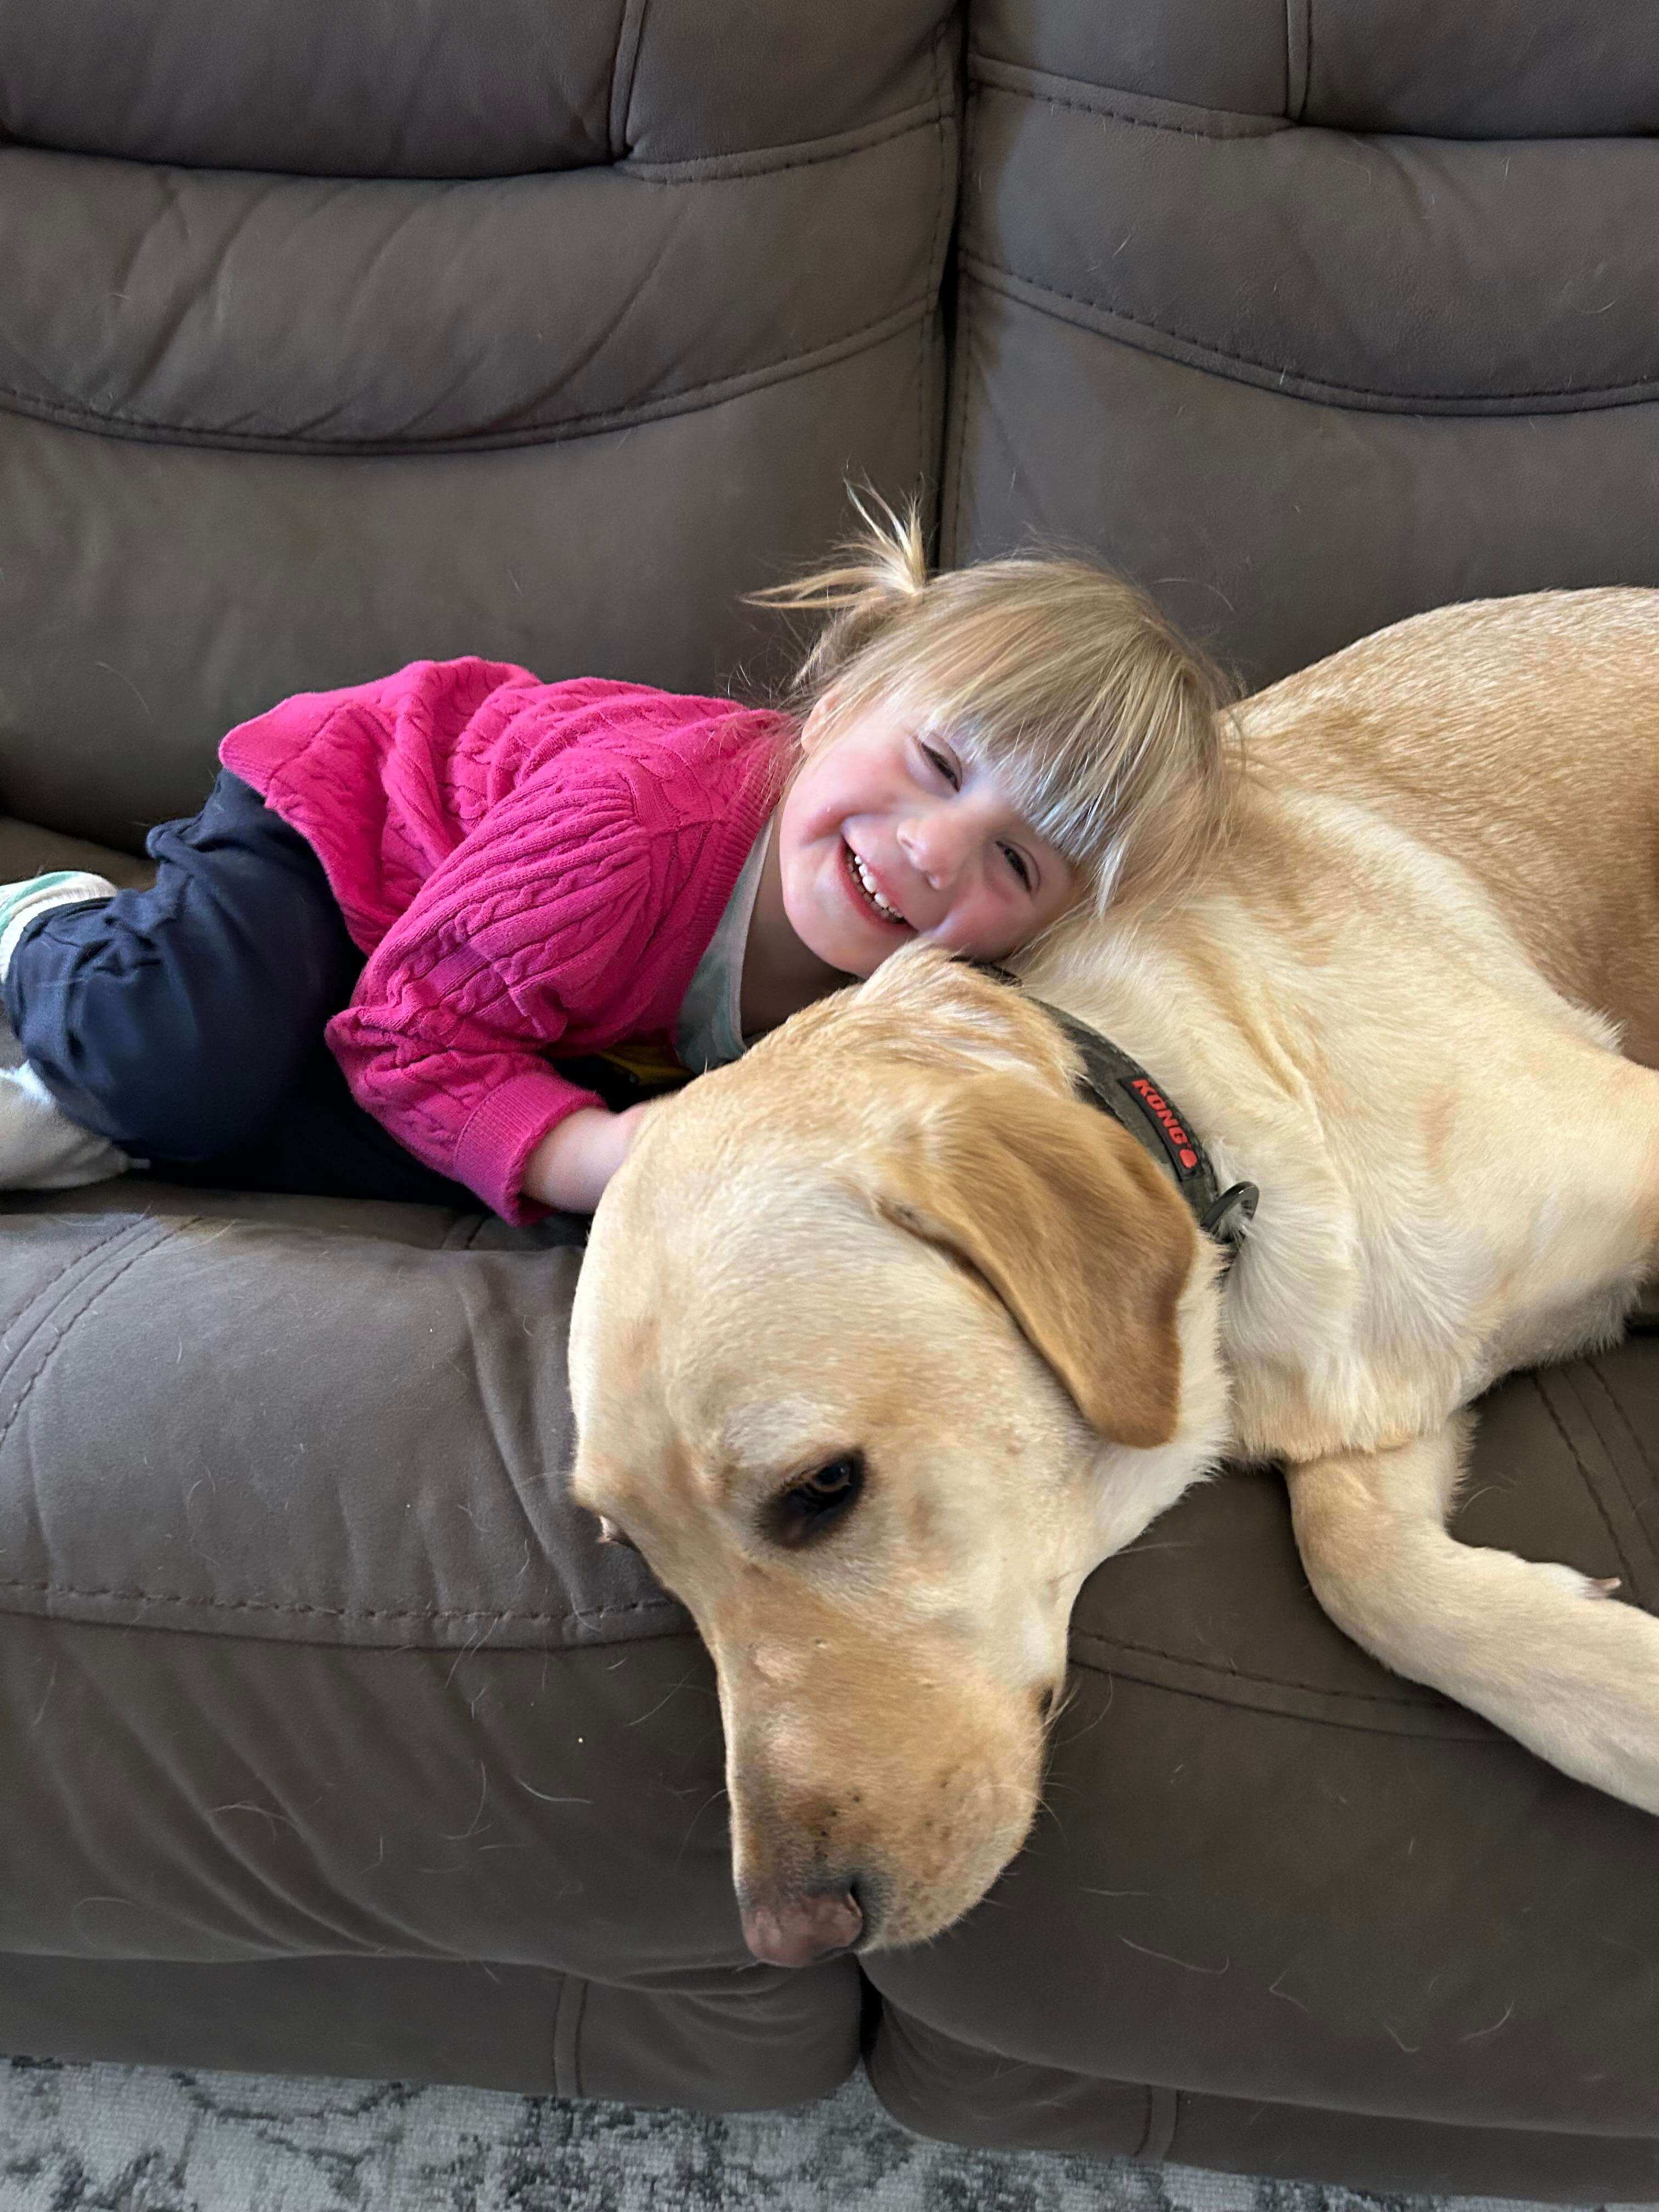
<point x="335" y="335"/>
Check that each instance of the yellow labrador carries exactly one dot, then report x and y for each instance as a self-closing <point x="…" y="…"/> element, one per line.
<point x="885" y="1337"/>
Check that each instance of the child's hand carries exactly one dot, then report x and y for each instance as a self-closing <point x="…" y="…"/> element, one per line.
<point x="571" y="1166"/>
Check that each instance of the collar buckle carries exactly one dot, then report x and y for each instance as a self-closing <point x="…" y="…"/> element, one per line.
<point x="1230" y="1217"/>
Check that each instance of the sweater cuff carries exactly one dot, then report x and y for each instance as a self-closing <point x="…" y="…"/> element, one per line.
<point x="503" y="1131"/>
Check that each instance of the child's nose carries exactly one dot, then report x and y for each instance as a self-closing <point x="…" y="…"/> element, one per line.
<point x="936" y="846"/>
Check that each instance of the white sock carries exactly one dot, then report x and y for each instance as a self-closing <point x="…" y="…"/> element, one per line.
<point x="40" y="1148"/>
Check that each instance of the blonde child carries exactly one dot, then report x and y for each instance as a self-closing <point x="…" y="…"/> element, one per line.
<point x="405" y="903"/>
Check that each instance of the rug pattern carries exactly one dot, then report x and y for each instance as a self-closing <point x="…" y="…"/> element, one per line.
<point x="77" y="2138"/>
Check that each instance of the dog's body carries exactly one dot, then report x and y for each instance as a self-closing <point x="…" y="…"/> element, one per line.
<point x="1519" y="737"/>
<point x="891" y="1239"/>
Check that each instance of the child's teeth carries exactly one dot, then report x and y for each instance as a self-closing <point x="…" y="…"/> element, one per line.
<point x="868" y="881"/>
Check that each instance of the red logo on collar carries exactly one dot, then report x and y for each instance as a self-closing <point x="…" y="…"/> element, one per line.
<point x="1159" y="1107"/>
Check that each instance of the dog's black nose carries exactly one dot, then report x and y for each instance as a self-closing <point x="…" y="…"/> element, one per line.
<point x="794" y="1931"/>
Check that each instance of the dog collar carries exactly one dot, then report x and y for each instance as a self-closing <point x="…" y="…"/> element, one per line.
<point x="1120" y="1087"/>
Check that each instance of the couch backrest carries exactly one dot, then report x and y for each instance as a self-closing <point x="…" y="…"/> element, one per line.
<point x="1311" y="315"/>
<point x="331" y="337"/>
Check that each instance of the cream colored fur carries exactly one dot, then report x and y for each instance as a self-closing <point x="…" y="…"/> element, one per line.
<point x="1394" y="1002"/>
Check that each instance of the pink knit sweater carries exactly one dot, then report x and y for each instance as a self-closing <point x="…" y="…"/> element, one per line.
<point x="530" y="867"/>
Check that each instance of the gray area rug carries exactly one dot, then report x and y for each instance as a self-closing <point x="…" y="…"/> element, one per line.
<point x="131" y="2139"/>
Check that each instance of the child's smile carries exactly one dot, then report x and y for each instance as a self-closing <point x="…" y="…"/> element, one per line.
<point x="869" y="887"/>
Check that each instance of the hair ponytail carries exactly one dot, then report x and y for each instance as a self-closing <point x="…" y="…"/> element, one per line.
<point x="880" y="574"/>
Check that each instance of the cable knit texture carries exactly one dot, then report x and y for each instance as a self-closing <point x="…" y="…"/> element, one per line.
<point x="530" y="867"/>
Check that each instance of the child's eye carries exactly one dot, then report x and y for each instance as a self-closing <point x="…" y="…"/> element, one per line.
<point x="946" y="767"/>
<point x="1021" y="866"/>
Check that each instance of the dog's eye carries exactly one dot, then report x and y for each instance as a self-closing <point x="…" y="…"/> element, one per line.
<point x="610" y="1533"/>
<point x="812" y="1506"/>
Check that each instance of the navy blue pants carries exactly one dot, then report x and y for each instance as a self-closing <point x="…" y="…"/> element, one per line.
<point x="185" y="1022"/>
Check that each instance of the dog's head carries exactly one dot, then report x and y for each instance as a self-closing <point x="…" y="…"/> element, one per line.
<point x="882" y="1341"/>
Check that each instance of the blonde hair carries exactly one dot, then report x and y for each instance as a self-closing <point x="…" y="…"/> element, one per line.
<point x="1108" y="732"/>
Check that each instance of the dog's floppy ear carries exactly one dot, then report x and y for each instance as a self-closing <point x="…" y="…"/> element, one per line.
<point x="1071" y="1225"/>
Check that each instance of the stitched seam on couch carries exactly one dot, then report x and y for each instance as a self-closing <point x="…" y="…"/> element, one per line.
<point x="949" y="196"/>
<point x="298" y="1610"/>
<point x="33" y="1316"/>
<point x="1298" y="57"/>
<point x="1593" y="1490"/>
<point x="739" y="162"/>
<point x="1144" y="111"/>
<point x="70" y="1280"/>
<point x="1292" y="383"/>
<point x="1622" y="1496"/>
<point x="624" y="68"/>
<point x="801" y="154"/>
<point x="959" y="354"/>
<point x="1591" y="1370"/>
<point x="1420" y="1725"/>
<point x="695" y="400"/>
<point x="1441" y="1719"/>
<point x="1244" y="1675"/>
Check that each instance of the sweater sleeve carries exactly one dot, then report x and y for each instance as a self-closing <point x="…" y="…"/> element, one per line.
<point x="551" y="895"/>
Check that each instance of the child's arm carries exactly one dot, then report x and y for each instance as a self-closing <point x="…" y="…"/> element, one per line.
<point x="571" y="1166"/>
<point x="445" y="1039"/>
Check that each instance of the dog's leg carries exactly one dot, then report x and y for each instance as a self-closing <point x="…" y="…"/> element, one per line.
<point x="1541" y="1650"/>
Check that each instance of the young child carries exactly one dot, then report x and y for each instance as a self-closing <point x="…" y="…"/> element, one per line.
<point x="461" y="875"/>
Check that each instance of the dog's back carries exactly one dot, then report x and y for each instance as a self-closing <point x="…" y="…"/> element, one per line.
<point x="1519" y="737"/>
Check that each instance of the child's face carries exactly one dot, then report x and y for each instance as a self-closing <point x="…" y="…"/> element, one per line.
<point x="884" y="836"/>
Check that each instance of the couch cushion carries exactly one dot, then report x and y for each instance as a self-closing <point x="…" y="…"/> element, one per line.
<point x="1508" y="68"/>
<point x="455" y="87"/>
<point x="1231" y="55"/>
<point x="704" y="2038"/>
<point x="494" y="88"/>
<point x="388" y="1467"/>
<point x="1299" y="372"/>
<point x="384" y="314"/>
<point x="304" y="1652"/>
<point x="544" y="336"/>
